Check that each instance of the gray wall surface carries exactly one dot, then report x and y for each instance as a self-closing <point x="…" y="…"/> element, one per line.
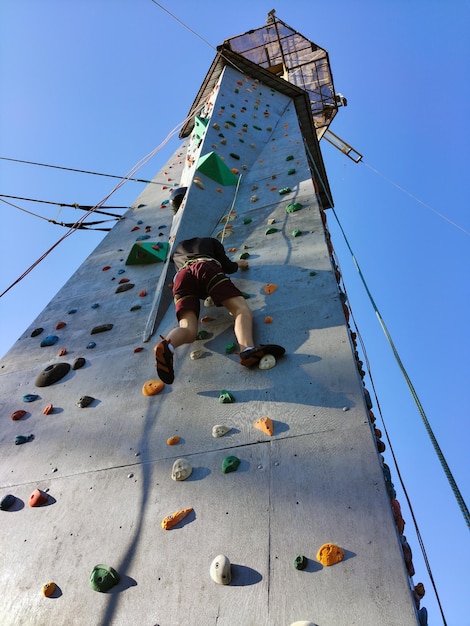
<point x="107" y="468"/>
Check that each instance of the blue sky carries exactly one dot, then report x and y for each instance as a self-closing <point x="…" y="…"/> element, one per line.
<point x="96" y="85"/>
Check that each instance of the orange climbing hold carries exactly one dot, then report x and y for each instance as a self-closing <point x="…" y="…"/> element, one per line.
<point x="62" y="351"/>
<point x="172" y="441"/>
<point x="60" y="325"/>
<point x="48" y="409"/>
<point x="152" y="387"/>
<point x="268" y="319"/>
<point x="269" y="288"/>
<point x="38" y="498"/>
<point x="171" y="520"/>
<point x="329" y="554"/>
<point x="48" y="589"/>
<point x="265" y="425"/>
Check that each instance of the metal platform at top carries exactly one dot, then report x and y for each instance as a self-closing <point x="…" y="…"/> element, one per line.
<point x="286" y="53"/>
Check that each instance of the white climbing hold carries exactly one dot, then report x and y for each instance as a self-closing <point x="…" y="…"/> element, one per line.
<point x="181" y="469"/>
<point x="267" y="362"/>
<point x="196" y="354"/>
<point x="220" y="430"/>
<point x="208" y="302"/>
<point x="303" y="623"/>
<point x="220" y="570"/>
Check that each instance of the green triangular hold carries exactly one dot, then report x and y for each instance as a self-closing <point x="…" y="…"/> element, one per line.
<point x="145" y="252"/>
<point x="200" y="124"/>
<point x="213" y="167"/>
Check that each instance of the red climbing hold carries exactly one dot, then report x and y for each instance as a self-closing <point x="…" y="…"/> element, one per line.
<point x="38" y="498"/>
<point x="17" y="415"/>
<point x="60" y="325"/>
<point x="106" y="268"/>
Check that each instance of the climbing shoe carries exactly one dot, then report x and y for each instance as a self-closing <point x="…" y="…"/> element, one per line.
<point x="252" y="357"/>
<point x="164" y="364"/>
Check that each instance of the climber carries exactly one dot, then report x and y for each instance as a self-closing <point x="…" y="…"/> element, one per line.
<point x="202" y="265"/>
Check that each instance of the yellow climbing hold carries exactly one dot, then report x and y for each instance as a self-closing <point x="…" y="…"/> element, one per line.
<point x="329" y="554"/>
<point x="152" y="387"/>
<point x="48" y="589"/>
<point x="265" y="425"/>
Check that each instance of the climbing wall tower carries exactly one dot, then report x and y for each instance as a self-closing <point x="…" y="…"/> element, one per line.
<point x="304" y="525"/>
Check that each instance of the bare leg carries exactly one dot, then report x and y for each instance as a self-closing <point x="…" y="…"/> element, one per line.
<point x="186" y="332"/>
<point x="243" y="316"/>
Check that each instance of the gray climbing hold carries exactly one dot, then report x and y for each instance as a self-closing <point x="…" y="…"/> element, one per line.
<point x="124" y="287"/>
<point x="52" y="374"/>
<point x="221" y="570"/>
<point x="219" y="430"/>
<point x="85" y="401"/>
<point x="101" y="329"/>
<point x="78" y="363"/>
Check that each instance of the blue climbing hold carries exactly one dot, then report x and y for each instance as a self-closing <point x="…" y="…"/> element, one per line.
<point x="50" y="340"/>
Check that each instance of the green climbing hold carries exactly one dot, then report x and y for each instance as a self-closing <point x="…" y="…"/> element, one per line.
<point x="230" y="464"/>
<point x="244" y="255"/>
<point x="247" y="220"/>
<point x="225" y="397"/>
<point x="312" y="273"/>
<point x="246" y="295"/>
<point x="291" y="171"/>
<point x="296" y="232"/>
<point x="202" y="334"/>
<point x="103" y="578"/>
<point x="290" y="157"/>
<point x="292" y="208"/>
<point x="284" y="190"/>
<point x="234" y="156"/>
<point x="213" y="167"/>
<point x="271" y="230"/>
<point x="300" y="562"/>
<point x="146" y="252"/>
<point x="230" y="348"/>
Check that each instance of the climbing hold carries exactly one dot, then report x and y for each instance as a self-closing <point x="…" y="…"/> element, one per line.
<point x="78" y="363"/>
<point x="136" y="307"/>
<point x="52" y="374"/>
<point x="144" y="253"/>
<point x="244" y="255"/>
<point x="48" y="409"/>
<point x="269" y="288"/>
<point x="171" y="520"/>
<point x="234" y="156"/>
<point x="293" y="207"/>
<point x="7" y="502"/>
<point x="152" y="387"/>
<point x="48" y="589"/>
<point x="247" y="220"/>
<point x="138" y="349"/>
<point x="50" y="340"/>
<point x="84" y="401"/>
<point x="142" y="237"/>
<point x="225" y="397"/>
<point x="296" y="232"/>
<point x="103" y="578"/>
<point x="17" y="415"/>
<point x="124" y="287"/>
<point x="101" y="329"/>
<point x="181" y="469"/>
<point x="230" y="464"/>
<point x="62" y="351"/>
<point x="265" y="424"/>
<point x="291" y="171"/>
<point x="219" y="430"/>
<point x="196" y="354"/>
<point x="208" y="302"/>
<point x="284" y="190"/>
<point x="230" y="348"/>
<point x="30" y="397"/>
<point x="312" y="273"/>
<point x="300" y="562"/>
<point x="329" y="554"/>
<point x="267" y="362"/>
<point x="91" y="345"/>
<point x="36" y="332"/>
<point x="268" y="319"/>
<point x="38" y="498"/>
<point x="202" y="334"/>
<point x="206" y="319"/>
<point x="106" y="268"/>
<point x="290" y="157"/>
<point x="198" y="181"/>
<point x="213" y="167"/>
<point x="271" y="230"/>
<point x="72" y="311"/>
<point x="124" y="280"/>
<point x="172" y="441"/>
<point x="95" y="305"/>
<point x="221" y="570"/>
<point x="60" y="325"/>
<point x="303" y="623"/>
